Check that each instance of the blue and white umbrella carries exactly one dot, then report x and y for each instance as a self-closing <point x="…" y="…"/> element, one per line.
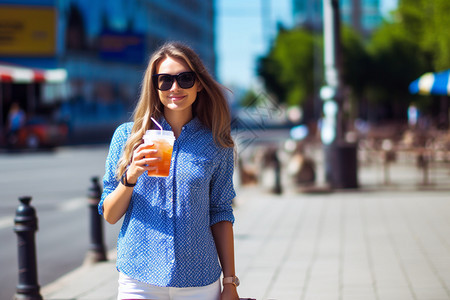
<point x="431" y="84"/>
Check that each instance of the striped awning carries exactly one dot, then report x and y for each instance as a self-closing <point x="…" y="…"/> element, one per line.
<point x="18" y="74"/>
<point x="431" y="84"/>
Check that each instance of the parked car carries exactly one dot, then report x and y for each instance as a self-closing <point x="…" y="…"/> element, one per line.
<point x="40" y="132"/>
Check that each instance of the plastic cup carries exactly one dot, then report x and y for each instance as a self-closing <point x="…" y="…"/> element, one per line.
<point x="162" y="140"/>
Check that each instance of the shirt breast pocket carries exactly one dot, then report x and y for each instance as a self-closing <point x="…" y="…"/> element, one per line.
<point x="198" y="172"/>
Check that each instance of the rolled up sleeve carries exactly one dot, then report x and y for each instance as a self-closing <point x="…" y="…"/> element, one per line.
<point x="222" y="190"/>
<point x="110" y="181"/>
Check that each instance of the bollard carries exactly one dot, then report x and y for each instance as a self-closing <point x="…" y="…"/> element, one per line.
<point x="96" y="251"/>
<point x="25" y="226"/>
<point x="270" y="160"/>
<point x="277" y="165"/>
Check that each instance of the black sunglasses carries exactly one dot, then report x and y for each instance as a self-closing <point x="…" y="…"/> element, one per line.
<point x="164" y="82"/>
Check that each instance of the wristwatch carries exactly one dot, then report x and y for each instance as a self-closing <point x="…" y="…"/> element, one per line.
<point x="231" y="280"/>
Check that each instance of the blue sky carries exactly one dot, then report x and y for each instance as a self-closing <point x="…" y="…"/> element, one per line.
<point x="242" y="38"/>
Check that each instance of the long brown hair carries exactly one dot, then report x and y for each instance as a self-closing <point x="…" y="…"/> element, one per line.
<point x="210" y="107"/>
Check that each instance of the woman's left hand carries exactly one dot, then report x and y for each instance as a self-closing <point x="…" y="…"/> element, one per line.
<point x="229" y="292"/>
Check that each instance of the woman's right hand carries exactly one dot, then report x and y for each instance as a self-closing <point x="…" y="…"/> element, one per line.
<point x="144" y="159"/>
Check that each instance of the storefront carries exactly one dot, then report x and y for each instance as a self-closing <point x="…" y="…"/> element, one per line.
<point x="38" y="92"/>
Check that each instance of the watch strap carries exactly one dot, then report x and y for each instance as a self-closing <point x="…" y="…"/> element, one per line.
<point x="231" y="280"/>
<point x="125" y="182"/>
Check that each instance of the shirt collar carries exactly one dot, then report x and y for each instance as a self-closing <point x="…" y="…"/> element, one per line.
<point x="192" y="125"/>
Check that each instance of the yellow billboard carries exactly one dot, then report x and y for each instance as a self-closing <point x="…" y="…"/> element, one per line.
<point x="27" y="31"/>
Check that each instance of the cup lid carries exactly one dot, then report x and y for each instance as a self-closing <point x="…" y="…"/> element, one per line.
<point x="157" y="132"/>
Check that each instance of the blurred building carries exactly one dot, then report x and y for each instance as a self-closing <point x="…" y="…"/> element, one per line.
<point x="363" y="15"/>
<point x="100" y="47"/>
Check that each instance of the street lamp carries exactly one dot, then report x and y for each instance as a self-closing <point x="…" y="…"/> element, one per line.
<point x="340" y="156"/>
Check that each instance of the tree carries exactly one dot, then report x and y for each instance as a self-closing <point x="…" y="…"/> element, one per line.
<point x="355" y="60"/>
<point x="417" y="41"/>
<point x="396" y="61"/>
<point x="288" y="69"/>
<point x="427" y="22"/>
<point x="376" y="71"/>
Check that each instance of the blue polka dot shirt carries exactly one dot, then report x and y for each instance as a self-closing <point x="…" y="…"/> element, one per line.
<point x="166" y="237"/>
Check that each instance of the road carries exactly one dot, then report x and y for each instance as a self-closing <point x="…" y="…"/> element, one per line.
<point x="58" y="182"/>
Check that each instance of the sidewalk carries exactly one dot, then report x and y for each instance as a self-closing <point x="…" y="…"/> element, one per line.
<point x="386" y="245"/>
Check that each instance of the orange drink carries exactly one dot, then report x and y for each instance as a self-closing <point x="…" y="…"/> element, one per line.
<point x="162" y="141"/>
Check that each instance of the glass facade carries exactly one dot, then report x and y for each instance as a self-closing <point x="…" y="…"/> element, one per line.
<point x="363" y="15"/>
<point x="104" y="46"/>
<point x="85" y="28"/>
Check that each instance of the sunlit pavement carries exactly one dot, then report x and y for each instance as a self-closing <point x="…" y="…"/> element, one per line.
<point x="361" y="244"/>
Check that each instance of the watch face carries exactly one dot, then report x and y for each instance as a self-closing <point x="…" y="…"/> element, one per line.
<point x="236" y="281"/>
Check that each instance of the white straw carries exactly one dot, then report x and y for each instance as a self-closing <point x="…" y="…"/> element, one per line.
<point x="157" y="124"/>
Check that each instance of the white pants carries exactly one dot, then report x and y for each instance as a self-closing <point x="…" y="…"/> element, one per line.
<point x="130" y="288"/>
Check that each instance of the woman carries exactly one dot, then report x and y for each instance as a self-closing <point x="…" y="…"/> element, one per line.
<point x="178" y="228"/>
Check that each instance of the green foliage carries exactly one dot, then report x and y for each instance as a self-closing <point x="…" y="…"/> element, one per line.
<point x="287" y="70"/>
<point x="426" y="24"/>
<point x="356" y="61"/>
<point x="396" y="61"/>
<point x="436" y="38"/>
<point x="418" y="41"/>
<point x="378" y="69"/>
